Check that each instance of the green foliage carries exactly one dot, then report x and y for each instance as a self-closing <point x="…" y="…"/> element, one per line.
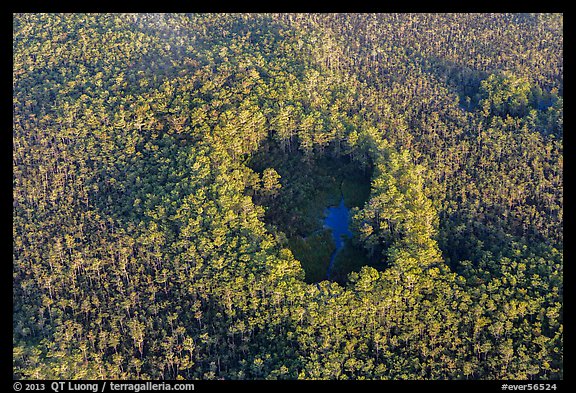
<point x="270" y="184"/>
<point x="355" y="190"/>
<point x="170" y="172"/>
<point x="351" y="258"/>
<point x="504" y="94"/>
<point x="314" y="253"/>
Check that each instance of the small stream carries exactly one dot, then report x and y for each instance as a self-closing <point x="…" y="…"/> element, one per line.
<point x="337" y="219"/>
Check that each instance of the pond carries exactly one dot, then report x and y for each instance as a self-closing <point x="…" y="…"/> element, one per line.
<point x="337" y="220"/>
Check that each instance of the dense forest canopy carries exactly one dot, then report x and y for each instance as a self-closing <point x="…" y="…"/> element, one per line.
<point x="167" y="169"/>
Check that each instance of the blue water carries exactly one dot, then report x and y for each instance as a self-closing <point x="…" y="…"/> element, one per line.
<point x="337" y="219"/>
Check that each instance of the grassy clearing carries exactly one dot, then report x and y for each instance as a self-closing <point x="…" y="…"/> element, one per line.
<point x="356" y="191"/>
<point x="308" y="188"/>
<point x="331" y="180"/>
<point x="334" y="182"/>
<point x="313" y="253"/>
<point x="351" y="258"/>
